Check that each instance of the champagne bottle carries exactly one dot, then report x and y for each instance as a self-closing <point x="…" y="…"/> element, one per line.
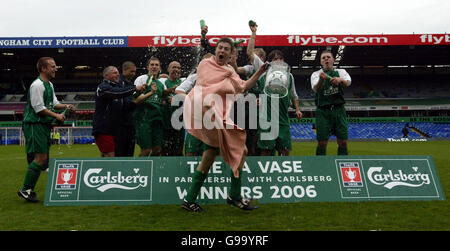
<point x="149" y="80"/>
<point x="202" y="23"/>
<point x="237" y="42"/>
<point x="57" y="122"/>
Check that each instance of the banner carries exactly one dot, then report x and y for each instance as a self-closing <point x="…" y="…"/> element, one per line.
<point x="165" y="180"/>
<point x="63" y="42"/>
<point x="296" y="40"/>
<point x="194" y="40"/>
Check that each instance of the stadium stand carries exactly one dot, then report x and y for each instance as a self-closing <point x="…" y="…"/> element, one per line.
<point x="380" y="131"/>
<point x="387" y="81"/>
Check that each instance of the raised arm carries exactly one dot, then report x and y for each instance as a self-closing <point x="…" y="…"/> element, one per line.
<point x="251" y="43"/>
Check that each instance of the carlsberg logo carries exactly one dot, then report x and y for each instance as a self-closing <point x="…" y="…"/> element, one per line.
<point x="390" y="179"/>
<point x="93" y="179"/>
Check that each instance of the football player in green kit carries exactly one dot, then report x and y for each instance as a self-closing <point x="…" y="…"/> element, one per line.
<point x="148" y="114"/>
<point x="37" y="124"/>
<point x="173" y="139"/>
<point x="282" y="141"/>
<point x="331" y="119"/>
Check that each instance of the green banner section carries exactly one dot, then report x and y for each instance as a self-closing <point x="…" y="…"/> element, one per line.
<point x="10" y="123"/>
<point x="19" y="123"/>
<point x="87" y="123"/>
<point x="165" y="180"/>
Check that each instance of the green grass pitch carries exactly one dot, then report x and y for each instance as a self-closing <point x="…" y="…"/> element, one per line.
<point x="16" y="214"/>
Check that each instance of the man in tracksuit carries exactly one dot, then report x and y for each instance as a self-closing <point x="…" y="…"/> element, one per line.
<point x="127" y="134"/>
<point x="108" y="104"/>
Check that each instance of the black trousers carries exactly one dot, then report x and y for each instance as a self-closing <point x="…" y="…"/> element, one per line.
<point x="126" y="140"/>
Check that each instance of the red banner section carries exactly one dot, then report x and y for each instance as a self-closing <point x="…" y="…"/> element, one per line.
<point x="295" y="40"/>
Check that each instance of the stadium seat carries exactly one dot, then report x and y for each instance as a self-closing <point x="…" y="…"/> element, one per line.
<point x="376" y="130"/>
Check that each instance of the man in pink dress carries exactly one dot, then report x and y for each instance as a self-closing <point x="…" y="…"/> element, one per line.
<point x="207" y="117"/>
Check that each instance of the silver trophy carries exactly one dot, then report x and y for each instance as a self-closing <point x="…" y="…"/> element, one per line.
<point x="277" y="80"/>
<point x="351" y="175"/>
<point x="66" y="177"/>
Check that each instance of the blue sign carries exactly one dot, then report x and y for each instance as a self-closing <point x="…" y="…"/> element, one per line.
<point x="62" y="42"/>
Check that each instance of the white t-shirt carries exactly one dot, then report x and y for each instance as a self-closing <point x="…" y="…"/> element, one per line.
<point x="141" y="80"/>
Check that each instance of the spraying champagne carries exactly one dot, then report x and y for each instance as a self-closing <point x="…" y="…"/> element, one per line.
<point x="149" y="81"/>
<point x="202" y="24"/>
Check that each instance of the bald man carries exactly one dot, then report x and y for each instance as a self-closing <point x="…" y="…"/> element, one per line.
<point x="108" y="104"/>
<point x="173" y="140"/>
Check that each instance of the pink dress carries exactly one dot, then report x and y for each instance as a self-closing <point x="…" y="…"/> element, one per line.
<point x="207" y="108"/>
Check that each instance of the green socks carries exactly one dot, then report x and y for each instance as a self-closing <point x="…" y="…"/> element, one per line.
<point x="342" y="151"/>
<point x="32" y="176"/>
<point x="197" y="182"/>
<point x="236" y="184"/>
<point x="321" y="151"/>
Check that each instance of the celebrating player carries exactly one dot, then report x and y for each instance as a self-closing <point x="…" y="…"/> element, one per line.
<point x="173" y="139"/>
<point x="37" y="124"/>
<point x="148" y="114"/>
<point x="282" y="143"/>
<point x="328" y="84"/>
<point x="217" y="79"/>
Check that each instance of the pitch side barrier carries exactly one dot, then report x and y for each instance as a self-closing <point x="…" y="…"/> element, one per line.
<point x="84" y="123"/>
<point x="443" y="119"/>
<point x="165" y="180"/>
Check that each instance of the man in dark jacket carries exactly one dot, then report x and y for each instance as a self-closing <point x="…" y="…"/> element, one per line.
<point x="405" y="131"/>
<point x="127" y="134"/>
<point x="108" y="106"/>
